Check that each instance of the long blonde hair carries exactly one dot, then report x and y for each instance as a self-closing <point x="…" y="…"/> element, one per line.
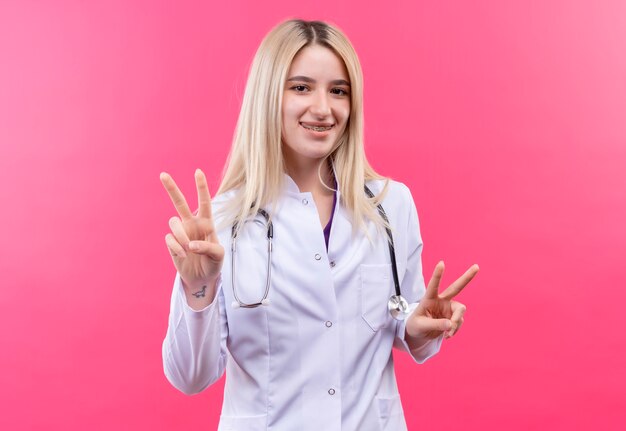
<point x="255" y="166"/>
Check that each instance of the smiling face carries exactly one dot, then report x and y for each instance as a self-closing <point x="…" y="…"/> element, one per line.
<point x="316" y="105"/>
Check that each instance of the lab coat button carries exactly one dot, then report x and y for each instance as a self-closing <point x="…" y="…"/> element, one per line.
<point x="331" y="391"/>
<point x="332" y="263"/>
<point x="317" y="256"/>
<point x="305" y="202"/>
<point x="328" y="323"/>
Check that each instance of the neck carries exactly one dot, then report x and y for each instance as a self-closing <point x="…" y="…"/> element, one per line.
<point x="306" y="177"/>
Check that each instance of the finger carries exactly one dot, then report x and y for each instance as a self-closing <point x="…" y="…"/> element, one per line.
<point x="204" y="198"/>
<point x="176" y="225"/>
<point x="458" y="310"/>
<point x="212" y="250"/>
<point x="451" y="332"/>
<point x="175" y="195"/>
<point x="176" y="250"/>
<point x="428" y="324"/>
<point x="432" y="290"/>
<point x="460" y="283"/>
<point x="204" y="202"/>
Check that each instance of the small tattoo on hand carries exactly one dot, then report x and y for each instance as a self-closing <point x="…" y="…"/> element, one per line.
<point x="200" y="293"/>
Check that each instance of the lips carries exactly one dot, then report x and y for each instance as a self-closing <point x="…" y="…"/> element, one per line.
<point x="317" y="127"/>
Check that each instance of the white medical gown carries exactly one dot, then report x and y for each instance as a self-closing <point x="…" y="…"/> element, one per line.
<point x="319" y="356"/>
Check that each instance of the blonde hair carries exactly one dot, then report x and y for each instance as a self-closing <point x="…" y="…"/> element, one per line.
<point x="255" y="166"/>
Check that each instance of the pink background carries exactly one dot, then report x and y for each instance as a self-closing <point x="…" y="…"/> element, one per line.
<point x="506" y="119"/>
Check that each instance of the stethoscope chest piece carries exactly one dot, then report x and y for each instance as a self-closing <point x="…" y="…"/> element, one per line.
<point x="398" y="307"/>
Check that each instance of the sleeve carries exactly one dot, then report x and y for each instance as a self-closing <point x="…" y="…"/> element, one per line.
<point x="194" y="349"/>
<point x="412" y="284"/>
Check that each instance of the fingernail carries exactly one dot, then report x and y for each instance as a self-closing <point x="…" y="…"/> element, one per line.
<point x="448" y="325"/>
<point x="194" y="246"/>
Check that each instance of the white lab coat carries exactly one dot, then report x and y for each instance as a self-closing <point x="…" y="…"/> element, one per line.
<point x="319" y="356"/>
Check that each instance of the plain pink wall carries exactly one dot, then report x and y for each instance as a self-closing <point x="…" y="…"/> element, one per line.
<point x="506" y="119"/>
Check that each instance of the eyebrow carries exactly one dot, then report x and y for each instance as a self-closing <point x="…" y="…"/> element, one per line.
<point x="311" y="80"/>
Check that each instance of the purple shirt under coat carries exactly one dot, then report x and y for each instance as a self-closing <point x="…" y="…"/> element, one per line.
<point x="330" y="221"/>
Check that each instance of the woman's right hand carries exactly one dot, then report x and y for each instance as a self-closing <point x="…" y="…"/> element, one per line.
<point x="193" y="243"/>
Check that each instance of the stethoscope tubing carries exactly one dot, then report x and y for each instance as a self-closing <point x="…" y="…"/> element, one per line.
<point x="398" y="306"/>
<point x="270" y="236"/>
<point x="390" y="243"/>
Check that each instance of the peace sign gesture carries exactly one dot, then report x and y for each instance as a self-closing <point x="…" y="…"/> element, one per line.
<point x="193" y="243"/>
<point x="438" y="313"/>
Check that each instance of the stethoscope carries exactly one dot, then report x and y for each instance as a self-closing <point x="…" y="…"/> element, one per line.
<point x="398" y="306"/>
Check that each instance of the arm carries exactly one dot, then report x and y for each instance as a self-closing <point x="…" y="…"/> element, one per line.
<point x="195" y="345"/>
<point x="437" y="315"/>
<point x="413" y="289"/>
<point x="194" y="349"/>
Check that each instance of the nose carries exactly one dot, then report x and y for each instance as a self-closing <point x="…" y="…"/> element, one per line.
<point x="320" y="105"/>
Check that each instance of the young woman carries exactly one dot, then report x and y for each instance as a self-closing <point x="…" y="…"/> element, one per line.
<point x="284" y="279"/>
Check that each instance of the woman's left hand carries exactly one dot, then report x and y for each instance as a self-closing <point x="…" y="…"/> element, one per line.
<point x="437" y="313"/>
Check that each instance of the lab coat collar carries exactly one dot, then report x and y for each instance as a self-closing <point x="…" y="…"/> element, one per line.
<point x="290" y="185"/>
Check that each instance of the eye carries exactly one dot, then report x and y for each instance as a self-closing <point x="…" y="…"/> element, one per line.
<point x="339" y="91"/>
<point x="300" y="88"/>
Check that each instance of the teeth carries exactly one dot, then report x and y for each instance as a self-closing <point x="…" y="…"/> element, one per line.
<point x="317" y="128"/>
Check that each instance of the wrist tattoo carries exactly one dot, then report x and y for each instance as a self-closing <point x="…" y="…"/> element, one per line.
<point x="200" y="293"/>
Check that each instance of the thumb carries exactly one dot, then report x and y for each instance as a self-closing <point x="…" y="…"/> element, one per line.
<point x="213" y="250"/>
<point x="425" y="324"/>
